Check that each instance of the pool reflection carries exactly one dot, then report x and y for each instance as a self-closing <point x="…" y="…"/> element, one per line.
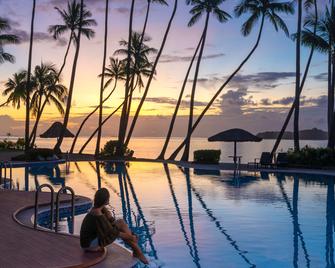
<point x="250" y="220"/>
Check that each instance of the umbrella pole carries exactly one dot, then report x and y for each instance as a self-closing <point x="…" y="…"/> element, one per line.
<point x="235" y="153"/>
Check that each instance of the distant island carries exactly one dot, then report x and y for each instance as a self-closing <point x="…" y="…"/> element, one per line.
<point x="307" y="134"/>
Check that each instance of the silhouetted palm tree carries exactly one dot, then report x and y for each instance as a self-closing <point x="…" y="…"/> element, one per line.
<point x="258" y="10"/>
<point x="200" y="8"/>
<point x="47" y="90"/>
<point x="324" y="41"/>
<point x="73" y="76"/>
<point x="6" y="39"/>
<point x="140" y="66"/>
<point x="114" y="72"/>
<point x="149" y="2"/>
<point x="310" y="22"/>
<point x="97" y="149"/>
<point x="180" y="97"/>
<point x="15" y="89"/>
<point x="71" y="20"/>
<point x="147" y="87"/>
<point x="28" y="84"/>
<point x="123" y="118"/>
<point x="297" y="77"/>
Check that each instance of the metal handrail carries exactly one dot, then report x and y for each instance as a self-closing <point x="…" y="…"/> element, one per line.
<point x="38" y="190"/>
<point x="10" y="175"/>
<point x="63" y="190"/>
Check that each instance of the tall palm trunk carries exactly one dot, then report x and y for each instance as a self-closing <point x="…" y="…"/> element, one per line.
<point x="123" y="120"/>
<point x="102" y="124"/>
<point x="97" y="149"/>
<point x="297" y="80"/>
<point x="28" y="86"/>
<point x="73" y="76"/>
<point x="174" y="116"/>
<point x="186" y="153"/>
<point x="331" y="84"/>
<point x="145" y="93"/>
<point x="146" y="21"/>
<point x="289" y="115"/>
<point x="210" y="103"/>
<point x="33" y="134"/>
<point x="88" y="116"/>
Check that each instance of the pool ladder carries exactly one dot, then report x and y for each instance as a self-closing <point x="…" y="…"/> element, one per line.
<point x="52" y="195"/>
<point x="3" y="171"/>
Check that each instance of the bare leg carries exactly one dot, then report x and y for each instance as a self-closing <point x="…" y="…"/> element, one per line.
<point x="127" y="236"/>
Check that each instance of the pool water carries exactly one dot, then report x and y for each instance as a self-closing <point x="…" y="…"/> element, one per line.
<point x="198" y="218"/>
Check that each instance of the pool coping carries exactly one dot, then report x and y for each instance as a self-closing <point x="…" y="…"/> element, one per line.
<point x="65" y="204"/>
<point x="45" y="230"/>
<point x="220" y="166"/>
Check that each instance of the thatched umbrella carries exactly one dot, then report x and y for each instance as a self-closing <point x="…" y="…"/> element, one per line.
<point x="55" y="131"/>
<point x="235" y="135"/>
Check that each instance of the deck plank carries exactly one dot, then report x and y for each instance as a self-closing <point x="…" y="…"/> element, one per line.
<point x="24" y="247"/>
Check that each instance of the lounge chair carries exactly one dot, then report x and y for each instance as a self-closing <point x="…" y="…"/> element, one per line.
<point x="264" y="161"/>
<point x="282" y="159"/>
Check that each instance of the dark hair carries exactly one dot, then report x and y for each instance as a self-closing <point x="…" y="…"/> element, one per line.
<point x="101" y="197"/>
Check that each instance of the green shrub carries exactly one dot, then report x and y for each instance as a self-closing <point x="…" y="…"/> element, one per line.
<point x="207" y="156"/>
<point x="10" y="145"/>
<point x="20" y="144"/>
<point x="110" y="147"/>
<point x="312" y="157"/>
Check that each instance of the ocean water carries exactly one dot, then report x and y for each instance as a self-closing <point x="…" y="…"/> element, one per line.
<point x="151" y="147"/>
<point x="199" y="218"/>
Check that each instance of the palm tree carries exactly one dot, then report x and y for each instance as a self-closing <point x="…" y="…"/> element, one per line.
<point x="175" y="113"/>
<point x="310" y="21"/>
<point x="114" y="72"/>
<point x="28" y="84"/>
<point x="6" y="39"/>
<point x="149" y="2"/>
<point x="71" y="22"/>
<point x="142" y="69"/>
<point x="73" y="76"/>
<point x="297" y="78"/>
<point x="258" y="10"/>
<point x="97" y="149"/>
<point x="200" y="8"/>
<point x="48" y="87"/>
<point x="153" y="72"/>
<point x="324" y="42"/>
<point x="139" y="63"/>
<point x="15" y="89"/>
<point x="123" y="122"/>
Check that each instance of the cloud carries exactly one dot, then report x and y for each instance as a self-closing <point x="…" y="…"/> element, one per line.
<point x="284" y="101"/>
<point x="175" y="58"/>
<point x="24" y="37"/>
<point x="265" y="102"/>
<point x="321" y="77"/>
<point x="261" y="80"/>
<point x="172" y="101"/>
<point x="232" y="102"/>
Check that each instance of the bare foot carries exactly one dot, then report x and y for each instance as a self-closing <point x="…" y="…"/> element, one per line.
<point x="141" y="257"/>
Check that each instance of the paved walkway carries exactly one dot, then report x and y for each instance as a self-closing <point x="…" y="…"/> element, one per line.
<point x="21" y="246"/>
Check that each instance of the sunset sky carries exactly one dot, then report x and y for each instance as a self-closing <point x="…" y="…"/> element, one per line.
<point x="257" y="99"/>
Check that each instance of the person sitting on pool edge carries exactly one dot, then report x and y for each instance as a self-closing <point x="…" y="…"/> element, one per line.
<point x="99" y="228"/>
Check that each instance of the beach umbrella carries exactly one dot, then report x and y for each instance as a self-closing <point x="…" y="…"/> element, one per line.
<point x="55" y="130"/>
<point x="235" y="135"/>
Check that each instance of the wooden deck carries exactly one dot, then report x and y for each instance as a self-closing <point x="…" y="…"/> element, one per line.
<point x="21" y="246"/>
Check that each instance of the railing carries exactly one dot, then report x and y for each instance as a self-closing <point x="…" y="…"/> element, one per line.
<point x="3" y="171"/>
<point x="63" y="190"/>
<point x="38" y="190"/>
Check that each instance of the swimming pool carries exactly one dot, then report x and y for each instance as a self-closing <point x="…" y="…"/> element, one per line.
<point x="198" y="218"/>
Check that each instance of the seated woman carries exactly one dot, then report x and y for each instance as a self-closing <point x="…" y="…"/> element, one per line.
<point x="99" y="228"/>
